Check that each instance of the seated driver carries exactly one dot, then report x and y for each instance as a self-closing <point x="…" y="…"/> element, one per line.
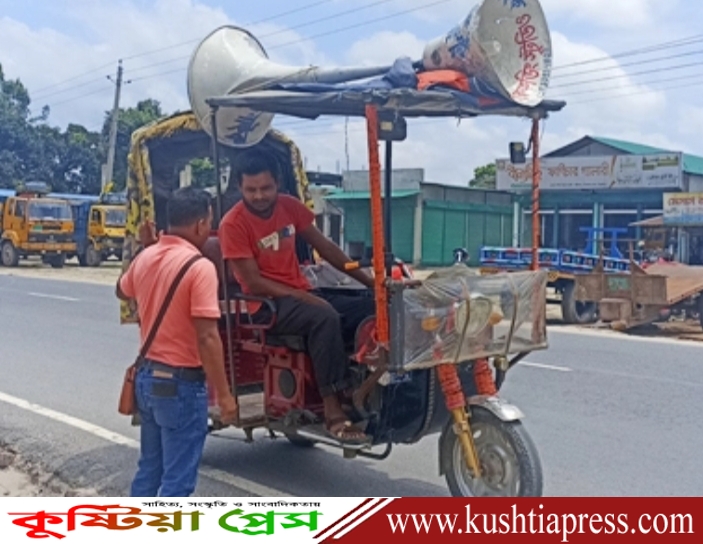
<point x="258" y="240"/>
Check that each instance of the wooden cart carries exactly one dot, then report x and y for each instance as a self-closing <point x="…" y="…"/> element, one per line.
<point x="643" y="295"/>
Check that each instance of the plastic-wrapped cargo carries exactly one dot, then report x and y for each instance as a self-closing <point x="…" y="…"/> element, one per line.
<point x="506" y="315"/>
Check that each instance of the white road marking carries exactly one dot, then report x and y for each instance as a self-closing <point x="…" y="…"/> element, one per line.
<point x="116" y="438"/>
<point x="54" y="297"/>
<point x="546" y="367"/>
<point x="70" y="420"/>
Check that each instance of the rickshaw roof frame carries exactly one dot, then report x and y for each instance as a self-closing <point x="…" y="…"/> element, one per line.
<point x="407" y="103"/>
<point x="369" y="104"/>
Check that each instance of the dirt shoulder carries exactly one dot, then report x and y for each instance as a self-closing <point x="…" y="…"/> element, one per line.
<point x="106" y="274"/>
<point x="18" y="478"/>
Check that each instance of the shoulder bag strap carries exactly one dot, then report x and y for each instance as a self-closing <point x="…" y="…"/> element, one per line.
<point x="164" y="306"/>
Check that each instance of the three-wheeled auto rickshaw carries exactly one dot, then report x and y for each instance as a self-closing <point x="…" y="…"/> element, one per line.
<point x="435" y="354"/>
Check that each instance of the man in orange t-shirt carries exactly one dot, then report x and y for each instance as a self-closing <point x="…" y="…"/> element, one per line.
<point x="171" y="384"/>
<point x="258" y="239"/>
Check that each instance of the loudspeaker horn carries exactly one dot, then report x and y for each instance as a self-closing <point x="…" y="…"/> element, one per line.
<point x="503" y="42"/>
<point x="232" y="60"/>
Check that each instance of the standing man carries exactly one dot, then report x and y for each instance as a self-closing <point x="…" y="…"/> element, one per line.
<point x="258" y="239"/>
<point x="171" y="384"/>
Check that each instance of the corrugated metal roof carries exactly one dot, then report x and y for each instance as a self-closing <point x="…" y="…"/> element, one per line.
<point x="692" y="164"/>
<point x="651" y="222"/>
<point x="365" y="195"/>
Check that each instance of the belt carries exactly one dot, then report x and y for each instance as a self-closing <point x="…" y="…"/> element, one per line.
<point x="162" y="370"/>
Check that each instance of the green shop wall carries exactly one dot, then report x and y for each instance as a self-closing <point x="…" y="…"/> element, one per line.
<point x="357" y="224"/>
<point x="449" y="225"/>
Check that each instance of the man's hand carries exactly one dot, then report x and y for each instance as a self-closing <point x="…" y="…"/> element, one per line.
<point x="228" y="409"/>
<point x="332" y="253"/>
<point x="147" y="234"/>
<point x="248" y="270"/>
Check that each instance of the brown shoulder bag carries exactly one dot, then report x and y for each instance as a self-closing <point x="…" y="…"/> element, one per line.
<point x="128" y="403"/>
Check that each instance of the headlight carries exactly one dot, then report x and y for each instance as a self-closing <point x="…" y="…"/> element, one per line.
<point x="431" y="323"/>
<point x="480" y="313"/>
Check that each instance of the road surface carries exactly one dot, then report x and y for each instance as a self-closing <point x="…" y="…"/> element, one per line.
<point x="611" y="415"/>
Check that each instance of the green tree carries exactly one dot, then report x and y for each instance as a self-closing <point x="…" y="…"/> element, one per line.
<point x="32" y="150"/>
<point x="81" y="160"/>
<point x="484" y="177"/>
<point x="203" y="172"/>
<point x="70" y="160"/>
<point x="128" y="120"/>
<point x="16" y="138"/>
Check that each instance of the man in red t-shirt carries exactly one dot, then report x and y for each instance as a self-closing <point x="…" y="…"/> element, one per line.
<point x="258" y="239"/>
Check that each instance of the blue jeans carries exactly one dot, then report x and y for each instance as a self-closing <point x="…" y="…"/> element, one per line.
<point x="174" y="425"/>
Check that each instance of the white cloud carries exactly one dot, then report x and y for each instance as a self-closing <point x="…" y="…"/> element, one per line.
<point x="690" y="121"/>
<point x="43" y="57"/>
<point x="606" y="13"/>
<point x="448" y="153"/>
<point x="384" y="47"/>
<point x="601" y="98"/>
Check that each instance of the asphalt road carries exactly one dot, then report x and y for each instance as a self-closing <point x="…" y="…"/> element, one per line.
<point x="611" y="415"/>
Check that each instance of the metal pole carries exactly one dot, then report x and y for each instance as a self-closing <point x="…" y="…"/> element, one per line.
<point x="109" y="170"/>
<point x="223" y="274"/>
<point x="388" y="203"/>
<point x="377" y="220"/>
<point x="536" y="173"/>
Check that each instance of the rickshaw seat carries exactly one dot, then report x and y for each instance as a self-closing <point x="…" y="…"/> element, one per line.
<point x="293" y="343"/>
<point x="212" y="251"/>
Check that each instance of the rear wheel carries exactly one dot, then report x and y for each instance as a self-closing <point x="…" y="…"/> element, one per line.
<point x="10" y="255"/>
<point x="510" y="464"/>
<point x="92" y="256"/>
<point x="574" y="311"/>
<point x="57" y="261"/>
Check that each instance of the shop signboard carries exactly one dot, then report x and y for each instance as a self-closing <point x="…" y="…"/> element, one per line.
<point x="602" y="173"/>
<point x="681" y="209"/>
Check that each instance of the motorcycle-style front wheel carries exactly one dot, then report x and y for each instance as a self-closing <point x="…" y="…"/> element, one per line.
<point x="510" y="464"/>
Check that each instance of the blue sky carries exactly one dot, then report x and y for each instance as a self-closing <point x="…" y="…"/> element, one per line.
<point x="47" y="44"/>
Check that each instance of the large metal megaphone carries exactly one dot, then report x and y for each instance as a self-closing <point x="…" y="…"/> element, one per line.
<point x="231" y="60"/>
<point x="503" y="42"/>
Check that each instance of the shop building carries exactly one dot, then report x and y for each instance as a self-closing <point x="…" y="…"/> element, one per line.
<point x="429" y="221"/>
<point x="599" y="183"/>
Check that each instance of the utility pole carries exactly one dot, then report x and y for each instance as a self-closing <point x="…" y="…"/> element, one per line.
<point x="107" y="178"/>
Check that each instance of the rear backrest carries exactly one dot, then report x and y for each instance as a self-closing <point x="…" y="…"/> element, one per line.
<point x="212" y="251"/>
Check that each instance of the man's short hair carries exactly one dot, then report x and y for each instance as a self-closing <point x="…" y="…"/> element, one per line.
<point x="252" y="162"/>
<point x="187" y="206"/>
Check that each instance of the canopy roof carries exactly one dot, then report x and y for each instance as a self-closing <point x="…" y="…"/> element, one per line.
<point x="311" y="104"/>
<point x="398" y="91"/>
<point x="651" y="222"/>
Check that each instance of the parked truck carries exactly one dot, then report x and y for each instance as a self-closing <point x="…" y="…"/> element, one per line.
<point x="564" y="267"/>
<point x="35" y="224"/>
<point x="100" y="226"/>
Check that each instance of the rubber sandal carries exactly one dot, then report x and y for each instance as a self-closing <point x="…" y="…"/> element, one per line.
<point x="345" y="427"/>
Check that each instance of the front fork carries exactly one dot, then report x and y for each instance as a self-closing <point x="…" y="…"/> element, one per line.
<point x="455" y="400"/>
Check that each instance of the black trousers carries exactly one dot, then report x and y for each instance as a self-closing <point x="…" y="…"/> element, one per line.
<point x="328" y="332"/>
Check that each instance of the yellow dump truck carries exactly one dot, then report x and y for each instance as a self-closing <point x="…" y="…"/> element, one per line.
<point x="35" y="225"/>
<point x="99" y="226"/>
